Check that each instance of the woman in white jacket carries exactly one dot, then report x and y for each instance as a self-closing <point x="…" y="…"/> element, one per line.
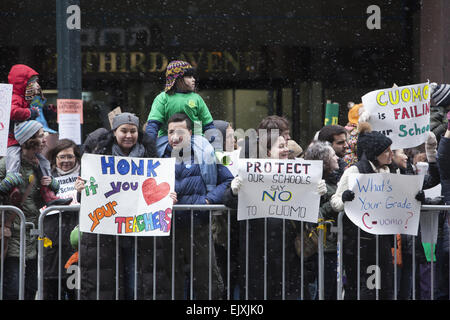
<point x="374" y="156"/>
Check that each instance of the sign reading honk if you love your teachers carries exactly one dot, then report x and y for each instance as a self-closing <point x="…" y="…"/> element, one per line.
<point x="127" y="196"/>
<point x="385" y="203"/>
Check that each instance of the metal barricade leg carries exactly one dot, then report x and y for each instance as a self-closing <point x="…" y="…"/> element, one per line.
<point x="340" y="248"/>
<point x="320" y="265"/>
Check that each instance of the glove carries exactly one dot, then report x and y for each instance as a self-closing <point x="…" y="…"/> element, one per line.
<point x="364" y="116"/>
<point x="50" y="107"/>
<point x="420" y="196"/>
<point x="430" y="147"/>
<point x="322" y="187"/>
<point x="433" y="86"/>
<point x="348" y="195"/>
<point x="11" y="180"/>
<point x="34" y="113"/>
<point x="236" y="184"/>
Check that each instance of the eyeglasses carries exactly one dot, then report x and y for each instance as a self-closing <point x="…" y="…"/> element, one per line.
<point x="66" y="157"/>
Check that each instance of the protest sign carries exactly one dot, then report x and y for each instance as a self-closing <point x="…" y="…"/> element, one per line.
<point x="285" y="189"/>
<point x="385" y="202"/>
<point x="127" y="196"/>
<point x="229" y="160"/>
<point x="5" y="111"/>
<point x="112" y="114"/>
<point x="66" y="190"/>
<point x="400" y="113"/>
<point x="70" y="117"/>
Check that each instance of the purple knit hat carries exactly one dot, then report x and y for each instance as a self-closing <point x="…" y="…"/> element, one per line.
<point x="174" y="70"/>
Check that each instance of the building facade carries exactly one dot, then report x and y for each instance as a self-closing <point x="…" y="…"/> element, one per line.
<point x="253" y="58"/>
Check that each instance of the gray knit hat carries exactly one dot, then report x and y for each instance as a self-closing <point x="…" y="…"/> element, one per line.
<point x="25" y="130"/>
<point x="124" y="118"/>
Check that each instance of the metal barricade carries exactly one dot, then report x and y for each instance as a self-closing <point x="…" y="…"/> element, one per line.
<point x="41" y="234"/>
<point x="435" y="209"/>
<point x="242" y="287"/>
<point x="22" y="250"/>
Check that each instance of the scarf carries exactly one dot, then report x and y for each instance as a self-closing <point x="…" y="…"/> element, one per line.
<point x="59" y="173"/>
<point x="138" y="151"/>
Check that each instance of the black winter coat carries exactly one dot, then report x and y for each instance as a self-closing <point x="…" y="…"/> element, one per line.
<point x="125" y="249"/>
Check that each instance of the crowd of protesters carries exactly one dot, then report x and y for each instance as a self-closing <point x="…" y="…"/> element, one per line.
<point x="180" y="119"/>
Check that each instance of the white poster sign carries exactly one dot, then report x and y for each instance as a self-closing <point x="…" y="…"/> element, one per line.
<point x="285" y="189"/>
<point x="385" y="203"/>
<point x="69" y="127"/>
<point x="66" y="190"/>
<point x="127" y="196"/>
<point x="400" y="113"/>
<point x="5" y="111"/>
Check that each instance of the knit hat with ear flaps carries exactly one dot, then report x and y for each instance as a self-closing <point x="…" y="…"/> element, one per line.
<point x="371" y="143"/>
<point x="176" y="69"/>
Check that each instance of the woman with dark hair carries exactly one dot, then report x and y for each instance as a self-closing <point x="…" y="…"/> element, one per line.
<point x="275" y="148"/>
<point x="374" y="156"/>
<point x="65" y="160"/>
<point x="125" y="140"/>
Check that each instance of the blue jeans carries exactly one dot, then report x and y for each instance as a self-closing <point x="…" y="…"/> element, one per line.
<point x="11" y="279"/>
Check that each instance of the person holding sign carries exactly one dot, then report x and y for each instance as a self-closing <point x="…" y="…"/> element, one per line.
<point x="195" y="183"/>
<point x="126" y="140"/>
<point x="275" y="148"/>
<point x="375" y="156"/>
<point x="65" y="159"/>
<point x="32" y="141"/>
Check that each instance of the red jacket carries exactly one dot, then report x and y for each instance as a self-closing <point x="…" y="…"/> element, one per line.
<point x="20" y="108"/>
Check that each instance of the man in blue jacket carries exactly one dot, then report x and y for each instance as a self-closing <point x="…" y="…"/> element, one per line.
<point x="198" y="180"/>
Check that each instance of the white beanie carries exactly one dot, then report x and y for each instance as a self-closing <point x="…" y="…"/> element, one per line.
<point x="25" y="130"/>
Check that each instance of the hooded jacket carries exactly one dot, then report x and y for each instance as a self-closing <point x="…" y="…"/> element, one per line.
<point x="20" y="109"/>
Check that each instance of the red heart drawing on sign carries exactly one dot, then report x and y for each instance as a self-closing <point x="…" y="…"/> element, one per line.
<point x="153" y="192"/>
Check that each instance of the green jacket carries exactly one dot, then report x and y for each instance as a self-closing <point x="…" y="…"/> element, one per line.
<point x="30" y="208"/>
<point x="165" y="105"/>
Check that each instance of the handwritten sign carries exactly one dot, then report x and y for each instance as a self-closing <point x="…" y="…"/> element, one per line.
<point x="285" y="189"/>
<point x="70" y="106"/>
<point x="127" y="196"/>
<point x="66" y="190"/>
<point x="229" y="160"/>
<point x="400" y="113"/>
<point x="70" y="117"/>
<point x="112" y="114"/>
<point x="385" y="203"/>
<point x="5" y="110"/>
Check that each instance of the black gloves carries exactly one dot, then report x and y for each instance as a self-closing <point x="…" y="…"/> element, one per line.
<point x="348" y="195"/>
<point x="420" y="196"/>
